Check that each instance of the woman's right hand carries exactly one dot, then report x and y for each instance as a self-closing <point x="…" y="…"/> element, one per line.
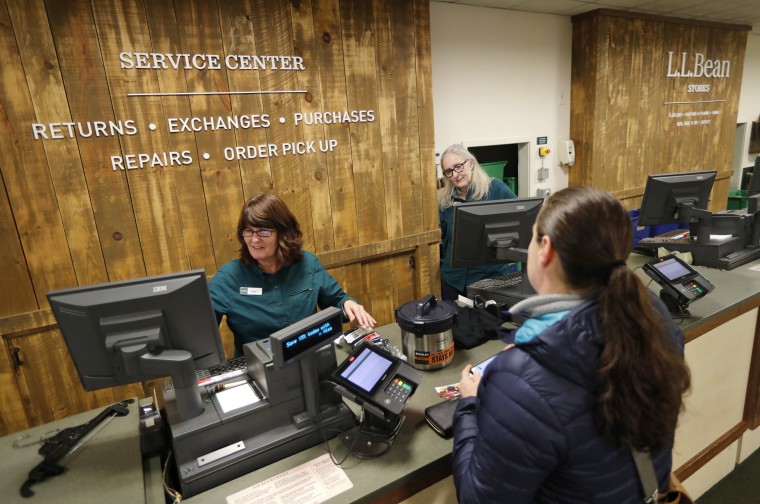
<point x="357" y="313"/>
<point x="468" y="383"/>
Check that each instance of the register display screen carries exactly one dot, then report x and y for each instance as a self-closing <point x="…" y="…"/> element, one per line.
<point x="309" y="338"/>
<point x="672" y="269"/>
<point x="305" y="337"/>
<point x="366" y="370"/>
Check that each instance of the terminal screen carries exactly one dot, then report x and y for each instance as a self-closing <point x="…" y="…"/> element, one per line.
<point x="672" y="269"/>
<point x="366" y="370"/>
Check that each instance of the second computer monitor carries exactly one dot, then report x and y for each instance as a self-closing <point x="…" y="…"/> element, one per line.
<point x="679" y="198"/>
<point x="753" y="187"/>
<point x="753" y="195"/>
<point x="493" y="232"/>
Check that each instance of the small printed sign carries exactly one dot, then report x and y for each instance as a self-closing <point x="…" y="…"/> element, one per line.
<point x="250" y="291"/>
<point x="541" y="140"/>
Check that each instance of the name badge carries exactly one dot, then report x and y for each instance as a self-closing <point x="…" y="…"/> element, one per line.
<point x="250" y="291"/>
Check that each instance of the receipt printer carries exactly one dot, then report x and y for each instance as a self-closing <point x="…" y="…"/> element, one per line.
<point x="681" y="284"/>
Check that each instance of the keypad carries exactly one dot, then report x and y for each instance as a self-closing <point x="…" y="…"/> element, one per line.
<point x="694" y="288"/>
<point x="398" y="389"/>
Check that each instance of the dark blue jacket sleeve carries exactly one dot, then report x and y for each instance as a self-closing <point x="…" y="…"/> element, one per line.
<point x="498" y="460"/>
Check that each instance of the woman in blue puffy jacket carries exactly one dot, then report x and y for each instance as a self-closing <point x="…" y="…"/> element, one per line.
<point x="597" y="368"/>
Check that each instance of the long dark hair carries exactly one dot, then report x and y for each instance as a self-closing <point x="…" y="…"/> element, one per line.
<point x="269" y="211"/>
<point x="641" y="376"/>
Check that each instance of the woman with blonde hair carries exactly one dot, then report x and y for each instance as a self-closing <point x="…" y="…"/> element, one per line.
<point x="464" y="181"/>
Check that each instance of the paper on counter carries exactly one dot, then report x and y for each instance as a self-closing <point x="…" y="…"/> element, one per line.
<point x="720" y="238"/>
<point x="310" y="483"/>
<point x="237" y="397"/>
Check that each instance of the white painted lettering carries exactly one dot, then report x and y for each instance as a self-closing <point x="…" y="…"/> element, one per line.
<point x="126" y="60"/>
<point x="154" y="160"/>
<point x="250" y="152"/>
<point x="38" y="130"/>
<point x="217" y="123"/>
<point x="701" y="66"/>
<point x="698" y="88"/>
<point x="176" y="61"/>
<point x="83" y="130"/>
<point x="141" y="60"/>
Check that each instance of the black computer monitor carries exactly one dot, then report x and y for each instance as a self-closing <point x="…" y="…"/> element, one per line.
<point x="142" y="329"/>
<point x="679" y="198"/>
<point x="753" y="187"/>
<point x="753" y="199"/>
<point x="493" y="232"/>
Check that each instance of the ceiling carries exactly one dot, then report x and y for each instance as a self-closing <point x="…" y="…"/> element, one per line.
<point x="746" y="12"/>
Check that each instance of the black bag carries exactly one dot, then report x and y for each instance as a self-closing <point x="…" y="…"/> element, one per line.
<point x="441" y="417"/>
<point x="476" y="325"/>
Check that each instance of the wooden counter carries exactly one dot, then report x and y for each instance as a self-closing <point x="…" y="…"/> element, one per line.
<point x="722" y="350"/>
<point x="714" y="432"/>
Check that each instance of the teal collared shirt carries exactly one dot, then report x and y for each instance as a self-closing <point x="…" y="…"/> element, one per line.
<point x="460" y="278"/>
<point x="257" y="304"/>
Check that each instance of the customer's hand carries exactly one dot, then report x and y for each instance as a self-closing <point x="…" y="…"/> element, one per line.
<point x="468" y="384"/>
<point x="356" y="312"/>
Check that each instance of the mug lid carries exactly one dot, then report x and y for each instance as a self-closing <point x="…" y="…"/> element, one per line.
<point x="427" y="315"/>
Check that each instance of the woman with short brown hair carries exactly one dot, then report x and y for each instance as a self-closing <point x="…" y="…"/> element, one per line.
<point x="274" y="283"/>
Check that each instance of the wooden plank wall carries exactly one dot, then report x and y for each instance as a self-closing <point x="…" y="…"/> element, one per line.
<point x="67" y="217"/>
<point x="622" y="117"/>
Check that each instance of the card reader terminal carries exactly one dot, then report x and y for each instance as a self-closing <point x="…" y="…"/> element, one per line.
<point x="681" y="284"/>
<point x="376" y="379"/>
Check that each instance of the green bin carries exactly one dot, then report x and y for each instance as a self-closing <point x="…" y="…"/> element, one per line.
<point x="495" y="169"/>
<point x="737" y="199"/>
<point x="511" y="183"/>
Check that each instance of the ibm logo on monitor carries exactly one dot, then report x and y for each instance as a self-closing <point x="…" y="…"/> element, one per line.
<point x="160" y="288"/>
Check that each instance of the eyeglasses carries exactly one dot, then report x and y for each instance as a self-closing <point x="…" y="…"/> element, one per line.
<point x="263" y="233"/>
<point x="457" y="168"/>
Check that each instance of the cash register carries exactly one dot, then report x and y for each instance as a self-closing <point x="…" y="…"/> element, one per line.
<point x="286" y="401"/>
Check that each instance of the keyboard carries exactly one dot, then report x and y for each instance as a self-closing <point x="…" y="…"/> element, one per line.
<point x="669" y="236"/>
<point x="504" y="290"/>
<point x="230" y="369"/>
<point x="210" y="376"/>
<point x="498" y="282"/>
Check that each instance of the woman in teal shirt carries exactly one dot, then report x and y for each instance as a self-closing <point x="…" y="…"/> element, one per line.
<point x="463" y="181"/>
<point x="275" y="282"/>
